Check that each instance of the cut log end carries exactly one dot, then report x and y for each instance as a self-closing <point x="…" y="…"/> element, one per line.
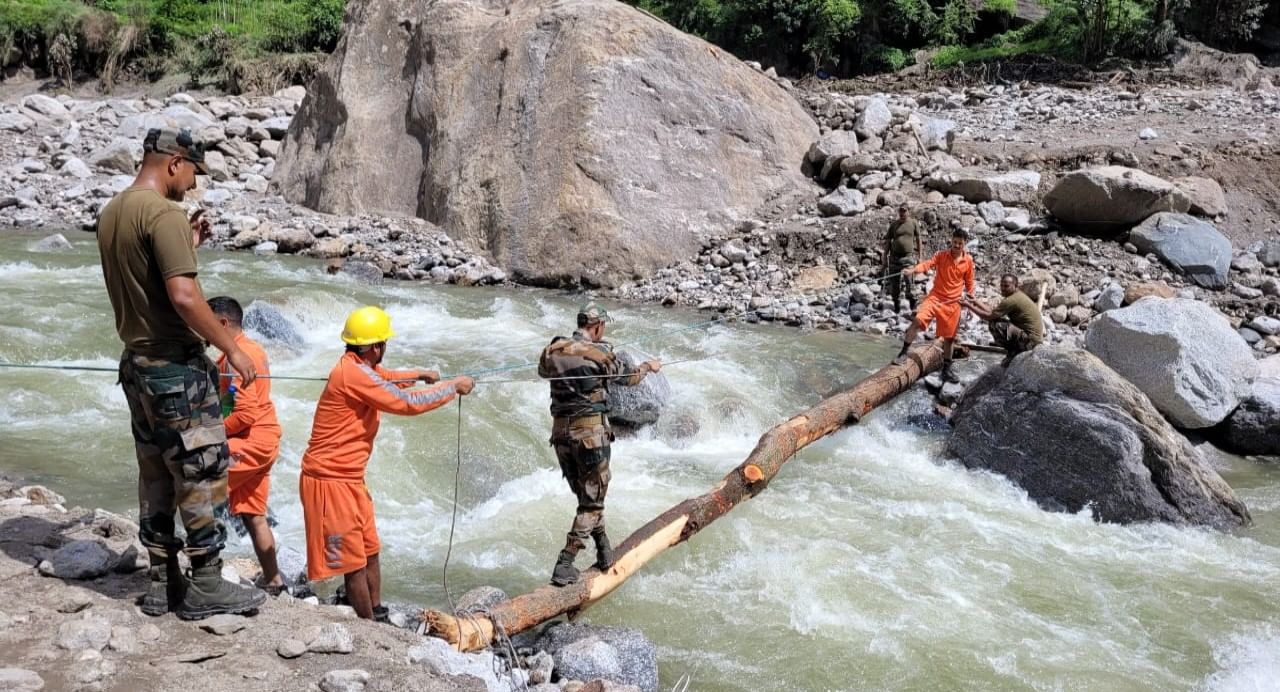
<point x="463" y="633"/>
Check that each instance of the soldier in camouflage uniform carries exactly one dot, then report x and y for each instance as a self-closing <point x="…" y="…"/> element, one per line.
<point x="580" y="428"/>
<point x="149" y="266"/>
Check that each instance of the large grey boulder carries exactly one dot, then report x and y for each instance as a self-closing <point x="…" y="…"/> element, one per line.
<point x="874" y="119"/>
<point x="1112" y="198"/>
<point x="1181" y="353"/>
<point x="842" y="201"/>
<point x="976" y="185"/>
<point x="577" y="141"/>
<point x="1206" y="195"/>
<point x="1254" y="427"/>
<point x="1190" y="246"/>
<point x="120" y="155"/>
<point x="618" y="654"/>
<point x="641" y="404"/>
<point x="1073" y="433"/>
<point x="268" y="323"/>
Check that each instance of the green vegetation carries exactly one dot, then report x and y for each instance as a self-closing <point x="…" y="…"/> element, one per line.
<point x="1001" y="6"/>
<point x="850" y="36"/>
<point x="236" y="44"/>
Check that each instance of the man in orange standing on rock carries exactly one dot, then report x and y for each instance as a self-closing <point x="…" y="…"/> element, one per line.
<point x="953" y="282"/>
<point x="253" y="434"/>
<point x="337" y="510"/>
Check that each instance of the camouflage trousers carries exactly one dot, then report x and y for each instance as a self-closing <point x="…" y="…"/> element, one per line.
<point x="1012" y="339"/>
<point x="583" y="453"/>
<point x="181" y="448"/>
<point x="898" y="284"/>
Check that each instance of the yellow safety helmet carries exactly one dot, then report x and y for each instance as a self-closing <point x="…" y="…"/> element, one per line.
<point x="367" y="325"/>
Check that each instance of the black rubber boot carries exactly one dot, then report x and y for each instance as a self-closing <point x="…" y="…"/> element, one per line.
<point x="382" y="614"/>
<point x="604" y="550"/>
<point x="564" y="573"/>
<point x="166" y="589"/>
<point x="947" y="374"/>
<point x="209" y="594"/>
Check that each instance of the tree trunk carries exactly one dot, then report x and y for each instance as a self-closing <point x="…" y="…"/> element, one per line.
<point x="676" y="525"/>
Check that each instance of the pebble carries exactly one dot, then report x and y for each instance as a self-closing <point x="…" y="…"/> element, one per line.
<point x="291" y="648"/>
<point x="353" y="680"/>
<point x="223" y="625"/>
<point x="20" y="680"/>
<point x="88" y="633"/>
<point x="332" y="638"/>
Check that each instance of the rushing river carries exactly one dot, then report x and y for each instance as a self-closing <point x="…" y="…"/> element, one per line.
<point x="870" y="563"/>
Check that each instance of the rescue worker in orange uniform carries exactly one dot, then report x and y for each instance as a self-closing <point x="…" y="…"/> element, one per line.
<point x="253" y="434"/>
<point x="337" y="510"/>
<point x="953" y="283"/>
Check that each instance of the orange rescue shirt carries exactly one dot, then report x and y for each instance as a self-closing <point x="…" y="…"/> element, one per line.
<point x="252" y="428"/>
<point x="954" y="275"/>
<point x="348" y="415"/>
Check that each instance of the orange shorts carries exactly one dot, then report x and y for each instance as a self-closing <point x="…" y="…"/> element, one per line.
<point x="947" y="315"/>
<point x="249" y="477"/>
<point x="341" y="533"/>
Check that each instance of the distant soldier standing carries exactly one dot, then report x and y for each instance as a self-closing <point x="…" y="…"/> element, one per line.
<point x="1015" y="324"/>
<point x="149" y="267"/>
<point x="580" y="428"/>
<point x="902" y="246"/>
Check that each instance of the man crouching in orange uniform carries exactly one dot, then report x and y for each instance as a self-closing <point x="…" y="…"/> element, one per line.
<point x="336" y="507"/>
<point x="253" y="435"/>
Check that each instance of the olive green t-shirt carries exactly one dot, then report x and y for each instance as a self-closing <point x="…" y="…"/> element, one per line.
<point x="1021" y="313"/>
<point x="902" y="237"/>
<point x="144" y="239"/>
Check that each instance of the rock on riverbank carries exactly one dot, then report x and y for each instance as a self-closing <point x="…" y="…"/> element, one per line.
<point x="69" y="579"/>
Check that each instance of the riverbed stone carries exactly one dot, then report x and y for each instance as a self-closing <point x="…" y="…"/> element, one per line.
<point x="223" y="625"/>
<point x="588" y="652"/>
<point x="643" y="403"/>
<point x="333" y="638"/>
<point x="53" y="243"/>
<point x="1075" y="434"/>
<point x="842" y="201"/>
<point x="291" y="648"/>
<point x="1254" y="426"/>
<point x="1190" y="246"/>
<point x="119" y="156"/>
<point x="353" y="680"/>
<point x="85" y="633"/>
<point x="977" y="185"/>
<point x="80" y="559"/>
<point x="1181" y="353"/>
<point x="20" y="680"/>
<point x="1111" y="198"/>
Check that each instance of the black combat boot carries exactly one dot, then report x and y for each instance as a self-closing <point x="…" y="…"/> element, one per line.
<point x="564" y="573"/>
<point x="209" y="594"/>
<point x="167" y="586"/>
<point x="604" y="551"/>
<point x="947" y="374"/>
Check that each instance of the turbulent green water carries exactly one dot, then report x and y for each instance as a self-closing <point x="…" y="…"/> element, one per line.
<point x="870" y="563"/>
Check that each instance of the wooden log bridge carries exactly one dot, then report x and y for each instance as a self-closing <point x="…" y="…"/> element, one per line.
<point x="477" y="631"/>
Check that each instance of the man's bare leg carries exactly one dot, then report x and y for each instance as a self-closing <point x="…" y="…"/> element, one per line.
<point x="357" y="587"/>
<point x="373" y="575"/>
<point x="264" y="544"/>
